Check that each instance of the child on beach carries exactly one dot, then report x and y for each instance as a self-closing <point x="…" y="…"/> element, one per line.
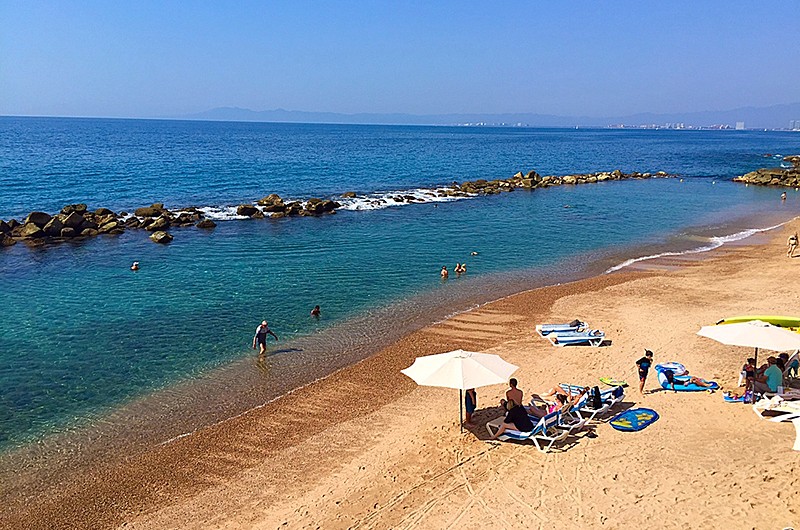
<point x="643" y="366"/>
<point x="470" y="403"/>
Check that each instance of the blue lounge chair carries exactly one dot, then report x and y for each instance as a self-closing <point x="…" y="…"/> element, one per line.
<point x="546" y="329"/>
<point x="592" y="337"/>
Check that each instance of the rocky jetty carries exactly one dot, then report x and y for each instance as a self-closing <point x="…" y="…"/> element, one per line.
<point x="76" y="221"/>
<point x="775" y="176"/>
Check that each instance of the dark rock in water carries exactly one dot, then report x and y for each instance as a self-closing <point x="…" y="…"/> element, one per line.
<point x="246" y="210"/>
<point x="161" y="237"/>
<point x="6" y="240"/>
<point x="89" y="232"/>
<point x="39" y="219"/>
<point x="68" y="232"/>
<point x="5" y="228"/>
<point x="103" y="211"/>
<point x="80" y="208"/>
<point x="794" y="160"/>
<point x="349" y="195"/>
<point x="54" y="227"/>
<point x="31" y="230"/>
<point x="148" y="211"/>
<point x="73" y="220"/>
<point x="88" y="224"/>
<point x="206" y="223"/>
<point x="158" y="224"/>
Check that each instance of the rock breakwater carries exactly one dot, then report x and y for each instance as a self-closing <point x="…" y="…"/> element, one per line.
<point x="76" y="221"/>
<point x="775" y="176"/>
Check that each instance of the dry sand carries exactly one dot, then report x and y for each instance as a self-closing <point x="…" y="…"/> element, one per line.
<point x="367" y="448"/>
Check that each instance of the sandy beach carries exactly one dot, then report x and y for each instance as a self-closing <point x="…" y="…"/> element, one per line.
<point x="367" y="448"/>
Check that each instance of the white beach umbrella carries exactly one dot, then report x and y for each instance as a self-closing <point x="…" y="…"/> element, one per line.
<point x="460" y="369"/>
<point x="754" y="334"/>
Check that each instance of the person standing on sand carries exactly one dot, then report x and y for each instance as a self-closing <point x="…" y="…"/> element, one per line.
<point x="791" y="244"/>
<point x="443" y="273"/>
<point x="643" y="365"/>
<point x="260" y="337"/>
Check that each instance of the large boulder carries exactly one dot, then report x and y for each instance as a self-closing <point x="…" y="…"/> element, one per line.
<point x="246" y="210"/>
<point x="154" y="210"/>
<point x="38" y="218"/>
<point x="73" y="220"/>
<point x="54" y="227"/>
<point x="207" y="224"/>
<point x="158" y="224"/>
<point x="31" y="231"/>
<point x="270" y="200"/>
<point x="79" y="208"/>
<point x="161" y="237"/>
<point x="109" y="227"/>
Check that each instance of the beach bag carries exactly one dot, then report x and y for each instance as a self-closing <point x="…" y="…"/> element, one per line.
<point x="597" y="400"/>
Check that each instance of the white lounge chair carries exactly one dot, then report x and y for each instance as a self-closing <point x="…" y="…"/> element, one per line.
<point x="545" y="429"/>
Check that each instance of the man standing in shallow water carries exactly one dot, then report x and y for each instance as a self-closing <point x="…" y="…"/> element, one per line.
<point x="260" y="337"/>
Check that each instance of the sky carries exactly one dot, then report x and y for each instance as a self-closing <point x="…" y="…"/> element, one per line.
<point x="578" y="58"/>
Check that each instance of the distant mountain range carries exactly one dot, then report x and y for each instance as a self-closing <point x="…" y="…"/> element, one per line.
<point x="774" y="117"/>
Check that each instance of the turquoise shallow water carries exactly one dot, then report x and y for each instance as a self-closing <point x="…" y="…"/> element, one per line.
<point x="83" y="333"/>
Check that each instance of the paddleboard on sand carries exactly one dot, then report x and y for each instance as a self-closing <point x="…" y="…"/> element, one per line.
<point x="610" y="381"/>
<point x="776" y="320"/>
<point x="633" y="419"/>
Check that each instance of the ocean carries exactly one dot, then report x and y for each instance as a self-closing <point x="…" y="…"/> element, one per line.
<point x="85" y="343"/>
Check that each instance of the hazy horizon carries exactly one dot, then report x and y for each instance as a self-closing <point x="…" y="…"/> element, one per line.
<point x="599" y="59"/>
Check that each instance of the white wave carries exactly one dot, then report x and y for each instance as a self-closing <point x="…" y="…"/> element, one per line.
<point x="221" y="213"/>
<point x="713" y="242"/>
<point x="388" y="199"/>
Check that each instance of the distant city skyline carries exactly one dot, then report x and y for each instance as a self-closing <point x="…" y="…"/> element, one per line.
<point x="595" y="59"/>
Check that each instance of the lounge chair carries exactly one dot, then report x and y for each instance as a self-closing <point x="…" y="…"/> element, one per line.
<point x="548" y="430"/>
<point x="776" y="409"/>
<point x="592" y="337"/>
<point x="546" y="329"/>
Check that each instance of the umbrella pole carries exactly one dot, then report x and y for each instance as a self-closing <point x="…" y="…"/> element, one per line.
<point x="461" y="409"/>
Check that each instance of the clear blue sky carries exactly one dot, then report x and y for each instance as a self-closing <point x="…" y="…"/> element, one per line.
<point x="594" y="58"/>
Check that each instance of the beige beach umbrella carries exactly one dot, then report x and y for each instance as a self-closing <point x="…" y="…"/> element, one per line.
<point x="754" y="334"/>
<point x="460" y="369"/>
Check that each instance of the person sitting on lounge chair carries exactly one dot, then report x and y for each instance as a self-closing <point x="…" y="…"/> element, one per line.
<point x="512" y="394"/>
<point x="772" y="378"/>
<point x="516" y="419"/>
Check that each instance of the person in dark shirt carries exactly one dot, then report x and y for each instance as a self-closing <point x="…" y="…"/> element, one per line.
<point x="643" y="365"/>
<point x="516" y="419"/>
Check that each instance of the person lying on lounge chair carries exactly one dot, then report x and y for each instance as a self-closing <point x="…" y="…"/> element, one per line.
<point x="516" y="419"/>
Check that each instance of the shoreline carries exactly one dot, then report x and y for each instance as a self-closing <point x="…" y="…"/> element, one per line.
<point x="115" y="491"/>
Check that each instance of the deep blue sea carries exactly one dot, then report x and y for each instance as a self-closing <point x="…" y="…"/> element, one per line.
<point x="81" y="335"/>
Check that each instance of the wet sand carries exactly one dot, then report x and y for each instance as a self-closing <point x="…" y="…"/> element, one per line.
<point x="366" y="448"/>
